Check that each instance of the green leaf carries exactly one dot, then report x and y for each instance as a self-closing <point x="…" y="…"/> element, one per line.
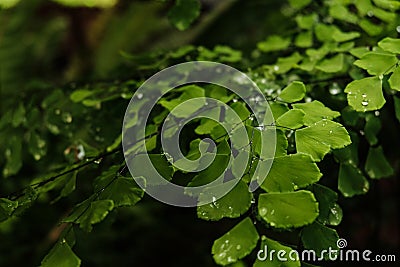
<point x="25" y="201"/>
<point x="363" y="7"/>
<point x="80" y="95"/>
<point x="7" y="207"/>
<point x="317" y="139"/>
<point x="384" y="15"/>
<point x="293" y="92"/>
<point x="123" y="192"/>
<point x="306" y="22"/>
<point x="268" y="245"/>
<point x="189" y="92"/>
<point x="365" y="94"/>
<point x="339" y="36"/>
<point x="351" y="181"/>
<point x="216" y="168"/>
<point x="320" y="53"/>
<point x="221" y="94"/>
<point x="299" y="4"/>
<point x="183" y="13"/>
<point x="227" y="54"/>
<point x="359" y="52"/>
<point x="387" y="4"/>
<point x="291" y="172"/>
<point x="344" y="47"/>
<point x="159" y="162"/>
<point x="292" y="119"/>
<point x="394" y="79"/>
<point x="235" y="244"/>
<point x="318" y="237"/>
<point x="241" y="110"/>
<point x="324" y="32"/>
<point x="61" y="255"/>
<point x="390" y="45"/>
<point x="304" y="39"/>
<point x="278" y="109"/>
<point x="377" y="63"/>
<point x="377" y="165"/>
<point x="331" y="65"/>
<point x="315" y="111"/>
<point x="341" y="12"/>
<point x="370" y="28"/>
<point x="287" y="210"/>
<point x="284" y="64"/>
<point x="281" y="143"/>
<point x="397" y="107"/>
<point x="68" y="186"/>
<point x="349" y="154"/>
<point x="90" y="212"/>
<point x="232" y="205"/>
<point x="274" y="43"/>
<point x="372" y="127"/>
<point x="329" y="211"/>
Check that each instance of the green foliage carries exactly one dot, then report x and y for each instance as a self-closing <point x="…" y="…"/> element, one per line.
<point x="327" y="238"/>
<point x="183" y="13"/>
<point x="332" y="82"/>
<point x="236" y="243"/>
<point x="61" y="255"/>
<point x="287" y="210"/>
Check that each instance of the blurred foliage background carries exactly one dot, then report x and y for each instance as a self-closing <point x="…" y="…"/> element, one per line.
<point x="48" y="48"/>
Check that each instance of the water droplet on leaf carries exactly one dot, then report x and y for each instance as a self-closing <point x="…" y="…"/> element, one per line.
<point x="263" y="211"/>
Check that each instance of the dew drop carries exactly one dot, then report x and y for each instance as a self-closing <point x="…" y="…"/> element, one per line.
<point x="272" y="212"/>
<point x="276" y="68"/>
<point x="81" y="152"/>
<point x="370" y="13"/>
<point x="377" y="113"/>
<point x="364" y="95"/>
<point x="238" y="247"/>
<point x="272" y="223"/>
<point x="263" y="211"/>
<point x="364" y="103"/>
<point x="230" y="259"/>
<point x="334" y="91"/>
<point x="37" y="156"/>
<point x="381" y="77"/>
<point x="140" y="96"/>
<point x="222" y="255"/>
<point x="398" y="29"/>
